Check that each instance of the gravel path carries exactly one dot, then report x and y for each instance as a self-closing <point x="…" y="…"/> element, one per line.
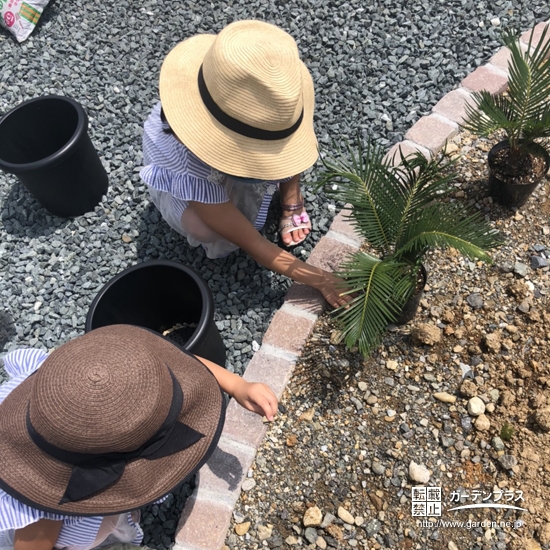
<point x="377" y="66"/>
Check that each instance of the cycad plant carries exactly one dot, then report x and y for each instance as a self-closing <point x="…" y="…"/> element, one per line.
<point x="523" y="113"/>
<point x="401" y="211"/>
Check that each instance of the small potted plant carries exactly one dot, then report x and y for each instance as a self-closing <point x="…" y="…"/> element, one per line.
<point x="401" y="211"/>
<point x="518" y="163"/>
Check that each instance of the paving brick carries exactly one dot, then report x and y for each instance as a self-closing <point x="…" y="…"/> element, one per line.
<point x="453" y="105"/>
<point x="271" y="369"/>
<point x="329" y="253"/>
<point x="487" y="78"/>
<point x="306" y="298"/>
<point x="288" y="331"/>
<point x="203" y="525"/>
<point x="500" y="59"/>
<point x="243" y="426"/>
<point x="404" y="149"/>
<point x="220" y="479"/>
<point x="432" y="132"/>
<point x="341" y="224"/>
<point x="536" y="32"/>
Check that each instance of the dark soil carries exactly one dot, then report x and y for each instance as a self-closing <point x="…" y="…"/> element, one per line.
<point x="522" y="169"/>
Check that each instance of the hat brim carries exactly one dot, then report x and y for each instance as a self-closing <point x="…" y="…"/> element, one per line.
<point x="216" y="145"/>
<point x="38" y="480"/>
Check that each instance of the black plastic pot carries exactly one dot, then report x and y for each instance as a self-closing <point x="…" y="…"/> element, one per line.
<point x="45" y="143"/>
<point x="159" y="295"/>
<point x="513" y="194"/>
<point x="411" y="306"/>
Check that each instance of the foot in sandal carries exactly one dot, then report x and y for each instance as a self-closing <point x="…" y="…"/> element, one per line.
<point x="295" y="224"/>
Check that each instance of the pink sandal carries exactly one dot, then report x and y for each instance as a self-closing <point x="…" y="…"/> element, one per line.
<point x="296" y="221"/>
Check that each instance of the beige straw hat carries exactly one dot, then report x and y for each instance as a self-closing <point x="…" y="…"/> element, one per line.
<point x="242" y="101"/>
<point x="111" y="421"/>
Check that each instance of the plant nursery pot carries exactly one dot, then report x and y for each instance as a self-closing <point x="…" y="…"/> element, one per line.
<point x="45" y="143"/>
<point x="508" y="193"/>
<point x="411" y="305"/>
<point x="160" y="295"/>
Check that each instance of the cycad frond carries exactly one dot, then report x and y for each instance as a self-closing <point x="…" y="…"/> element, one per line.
<point x="381" y="288"/>
<point x="444" y="225"/>
<point x="522" y="112"/>
<point x="367" y="183"/>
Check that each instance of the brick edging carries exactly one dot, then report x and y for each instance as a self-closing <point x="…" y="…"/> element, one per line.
<point x="207" y="513"/>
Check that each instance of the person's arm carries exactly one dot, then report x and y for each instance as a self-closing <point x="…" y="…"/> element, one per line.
<point x="226" y="220"/>
<point x="255" y="397"/>
<point x="41" y="535"/>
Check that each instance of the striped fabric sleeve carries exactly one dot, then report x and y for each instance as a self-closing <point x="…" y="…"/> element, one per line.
<point x="183" y="186"/>
<point x="19" y="364"/>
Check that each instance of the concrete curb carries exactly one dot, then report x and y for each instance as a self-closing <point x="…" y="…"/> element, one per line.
<point x="207" y="514"/>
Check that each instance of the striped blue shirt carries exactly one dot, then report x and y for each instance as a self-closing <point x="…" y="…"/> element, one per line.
<point x="169" y="166"/>
<point x="77" y="533"/>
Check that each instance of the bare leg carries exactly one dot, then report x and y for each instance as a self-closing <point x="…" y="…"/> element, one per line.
<point x="290" y="194"/>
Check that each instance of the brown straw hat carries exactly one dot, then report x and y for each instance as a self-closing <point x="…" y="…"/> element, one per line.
<point x="242" y="101"/>
<point x="111" y="421"/>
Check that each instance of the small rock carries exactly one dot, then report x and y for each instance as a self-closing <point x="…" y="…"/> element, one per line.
<point x="372" y="527"/>
<point x="418" y="472"/>
<point x="495" y="22"/>
<point x="345" y="516"/>
<point x="321" y="543"/>
<point x="445" y="397"/>
<point x="327" y="520"/>
<point x="425" y="333"/>
<point x="307" y="416"/>
<point x="476" y="406"/>
<point x="508" y="461"/>
<point x="263" y="532"/>
<point x="493" y="342"/>
<point x="292" y="540"/>
<point x="376" y="501"/>
<point x="311" y="535"/>
<point x="378" y="468"/>
<point x="498" y="444"/>
<point x="520" y="269"/>
<point x="248" y="483"/>
<point x="538" y="262"/>
<point x="291" y="440"/>
<point x="468" y="388"/>
<point x="542" y="419"/>
<point x="372" y="399"/>
<point x="452" y="546"/>
<point x="362" y="386"/>
<point x="313" y="517"/>
<point x="475" y="300"/>
<point x="466" y="423"/>
<point x="242" y="528"/>
<point x="392" y="365"/>
<point x="482" y="423"/>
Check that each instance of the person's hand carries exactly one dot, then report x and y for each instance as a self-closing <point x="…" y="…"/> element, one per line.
<point x="256" y="397"/>
<point x="333" y="289"/>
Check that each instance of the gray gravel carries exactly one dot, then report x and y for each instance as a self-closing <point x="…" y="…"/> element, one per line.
<point x="377" y="65"/>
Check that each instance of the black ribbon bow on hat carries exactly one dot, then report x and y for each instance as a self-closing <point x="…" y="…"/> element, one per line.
<point x="92" y="473"/>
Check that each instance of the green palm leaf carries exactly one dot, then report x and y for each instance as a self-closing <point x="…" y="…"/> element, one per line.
<point x="381" y="289"/>
<point x="523" y="112"/>
<point x="444" y="225"/>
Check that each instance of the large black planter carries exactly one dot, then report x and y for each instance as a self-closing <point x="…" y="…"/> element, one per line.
<point x="411" y="305"/>
<point x="159" y="295"/>
<point x="45" y="143"/>
<point x="513" y="194"/>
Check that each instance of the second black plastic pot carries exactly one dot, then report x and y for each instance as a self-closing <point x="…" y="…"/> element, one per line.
<point x="513" y="194"/>
<point x="160" y="295"/>
<point x="411" y="305"/>
<point x="45" y="143"/>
